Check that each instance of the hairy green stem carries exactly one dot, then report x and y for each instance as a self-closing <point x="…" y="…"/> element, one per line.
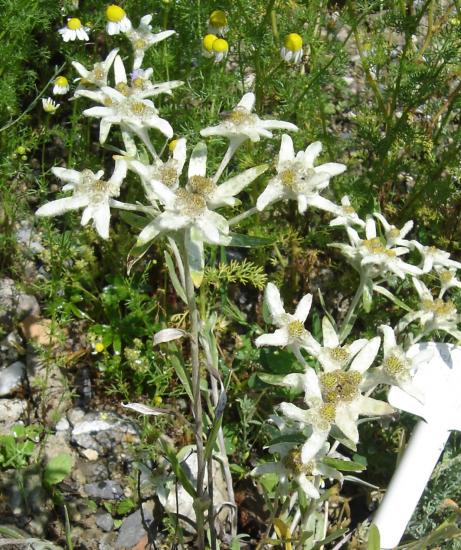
<point x="197" y="402"/>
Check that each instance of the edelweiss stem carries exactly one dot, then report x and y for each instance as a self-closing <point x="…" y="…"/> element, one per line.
<point x="350" y="312"/>
<point x="197" y="403"/>
<point x="234" y="144"/>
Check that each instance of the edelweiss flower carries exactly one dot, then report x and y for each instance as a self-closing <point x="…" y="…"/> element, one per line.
<point x="192" y="206"/>
<point x="61" y="86"/>
<point x="333" y="356"/>
<point x="143" y="38"/>
<point x="291" y="332"/>
<point x="117" y="20"/>
<point x="334" y="397"/>
<point x="165" y="173"/>
<point x="89" y="192"/>
<point x="100" y="72"/>
<point x="242" y="124"/>
<point x="433" y="314"/>
<point x="434" y="258"/>
<point x="74" y="30"/>
<point x="297" y="178"/>
<point x="398" y="366"/>
<point x="395" y="236"/>
<point x="447" y="279"/>
<point x="217" y="23"/>
<point x="132" y="113"/>
<point x="293" y="48"/>
<point x="372" y="257"/>
<point x="290" y="466"/>
<point x="346" y="215"/>
<point x="49" y="105"/>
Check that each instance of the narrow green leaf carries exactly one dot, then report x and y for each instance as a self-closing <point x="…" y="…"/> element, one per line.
<point x="247" y="241"/>
<point x="178" y="470"/>
<point x="174" y="278"/>
<point x="182" y="375"/>
<point x="135" y="220"/>
<point x="343" y="465"/>
<point x="214" y="430"/>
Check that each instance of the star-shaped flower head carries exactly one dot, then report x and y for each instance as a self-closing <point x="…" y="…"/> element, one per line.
<point x="433" y="313"/>
<point x="297" y="178"/>
<point x="433" y="258"/>
<point x="74" y="30"/>
<point x="398" y="366"/>
<point x="143" y="38"/>
<point x="161" y="173"/>
<point x="291" y="332"/>
<point x="346" y="215"/>
<point x="242" y="124"/>
<point x="98" y="75"/>
<point x="89" y="192"/>
<point x="372" y="257"/>
<point x="290" y="468"/>
<point x="192" y="207"/>
<point x="393" y="235"/>
<point x="448" y="279"/>
<point x="334" y="398"/>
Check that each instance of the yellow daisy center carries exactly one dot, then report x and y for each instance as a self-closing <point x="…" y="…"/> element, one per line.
<point x="208" y="41"/>
<point x="296" y="329"/>
<point x="61" y="81"/>
<point x="218" y="18"/>
<point x="115" y="13"/>
<point x="200" y="185"/>
<point x="99" y="347"/>
<point x="220" y="45"/>
<point x="293" y="42"/>
<point x="339" y="385"/>
<point x="74" y="23"/>
<point x="172" y="145"/>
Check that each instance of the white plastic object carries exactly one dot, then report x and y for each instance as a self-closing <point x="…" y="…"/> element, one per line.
<point x="437" y="384"/>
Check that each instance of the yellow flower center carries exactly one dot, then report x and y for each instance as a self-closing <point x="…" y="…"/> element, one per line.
<point x="293" y="42"/>
<point x="445" y="276"/>
<point x="99" y="73"/>
<point x="220" y="45"/>
<point x="168" y="174"/>
<point x="140" y="44"/>
<point x="394" y="233"/>
<point x="288" y="178"/>
<point x="348" y="210"/>
<point x="191" y="204"/>
<point x="293" y="463"/>
<point x="115" y="13"/>
<point x="375" y="246"/>
<point x="200" y="185"/>
<point x="439" y="307"/>
<point x="218" y="19"/>
<point x="99" y="347"/>
<point x="61" y="81"/>
<point x="339" y="355"/>
<point x="339" y="385"/>
<point x="328" y="412"/>
<point x="296" y="329"/>
<point x="138" y="108"/>
<point x="123" y="88"/>
<point x="73" y="24"/>
<point x="138" y="82"/>
<point x="238" y="116"/>
<point x="172" y="145"/>
<point x="208" y="41"/>
<point x="394" y="366"/>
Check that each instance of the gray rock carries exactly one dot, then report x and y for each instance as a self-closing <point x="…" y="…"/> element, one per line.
<point x="75" y="415"/>
<point x="104" y="521"/>
<point x="10" y="348"/>
<point x="107" y="489"/>
<point x="14" y="304"/>
<point x="62" y="425"/>
<point x="132" y="529"/>
<point x="11" y="411"/>
<point x="11" y="378"/>
<point x="28" y="237"/>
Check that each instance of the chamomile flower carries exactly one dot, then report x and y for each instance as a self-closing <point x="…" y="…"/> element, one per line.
<point x="117" y="20"/>
<point x="49" y="105"/>
<point x="143" y="38"/>
<point x="217" y="23"/>
<point x="298" y="179"/>
<point x="74" y="30"/>
<point x="207" y="45"/>
<point x="220" y="49"/>
<point x="292" y="50"/>
<point x="90" y="192"/>
<point x="61" y="86"/>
